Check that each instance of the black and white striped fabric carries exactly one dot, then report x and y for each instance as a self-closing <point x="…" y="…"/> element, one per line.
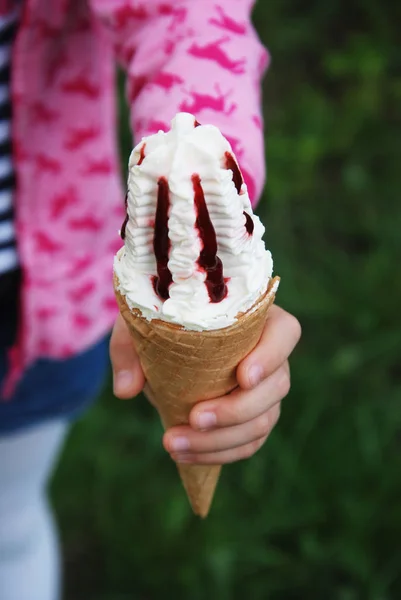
<point x="8" y="250"/>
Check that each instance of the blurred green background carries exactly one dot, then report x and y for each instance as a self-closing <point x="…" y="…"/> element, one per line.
<point x="317" y="513"/>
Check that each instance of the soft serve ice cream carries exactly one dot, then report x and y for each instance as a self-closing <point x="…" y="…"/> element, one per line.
<point x="193" y="252"/>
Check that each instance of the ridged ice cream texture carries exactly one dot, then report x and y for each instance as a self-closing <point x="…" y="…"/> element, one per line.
<point x="177" y="155"/>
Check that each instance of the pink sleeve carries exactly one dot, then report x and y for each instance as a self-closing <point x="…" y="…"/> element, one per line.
<point x="198" y="56"/>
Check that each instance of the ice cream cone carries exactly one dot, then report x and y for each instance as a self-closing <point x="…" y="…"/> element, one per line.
<point x="184" y="367"/>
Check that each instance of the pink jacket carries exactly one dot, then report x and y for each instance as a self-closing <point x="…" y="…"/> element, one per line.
<point x="200" y="56"/>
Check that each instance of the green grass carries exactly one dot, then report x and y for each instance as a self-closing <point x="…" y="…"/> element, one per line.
<point x="316" y="515"/>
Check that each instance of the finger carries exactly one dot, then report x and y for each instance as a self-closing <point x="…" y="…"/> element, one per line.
<point x="128" y="378"/>
<point x="183" y="439"/>
<point x="241" y="406"/>
<point x="221" y="458"/>
<point x="227" y="456"/>
<point x="280" y="336"/>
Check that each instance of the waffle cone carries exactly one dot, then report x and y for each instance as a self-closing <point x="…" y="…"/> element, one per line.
<point x="185" y="367"/>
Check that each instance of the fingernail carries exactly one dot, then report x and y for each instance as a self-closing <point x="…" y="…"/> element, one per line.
<point x="255" y="375"/>
<point x="206" y="420"/>
<point x="123" y="380"/>
<point x="179" y="444"/>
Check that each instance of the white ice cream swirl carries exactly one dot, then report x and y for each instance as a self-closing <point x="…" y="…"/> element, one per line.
<point x="185" y="194"/>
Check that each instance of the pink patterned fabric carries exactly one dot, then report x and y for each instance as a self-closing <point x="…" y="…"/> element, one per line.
<point x="200" y="56"/>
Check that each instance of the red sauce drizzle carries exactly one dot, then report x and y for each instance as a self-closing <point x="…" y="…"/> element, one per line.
<point x="208" y="259"/>
<point x="142" y="155"/>
<point x="124" y="225"/>
<point x="161" y="241"/>
<point x="237" y="175"/>
<point x="249" y="224"/>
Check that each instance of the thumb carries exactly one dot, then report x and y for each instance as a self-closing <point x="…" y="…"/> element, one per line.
<point x="128" y="377"/>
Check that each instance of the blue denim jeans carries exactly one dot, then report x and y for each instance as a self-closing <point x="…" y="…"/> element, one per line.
<point x="53" y="389"/>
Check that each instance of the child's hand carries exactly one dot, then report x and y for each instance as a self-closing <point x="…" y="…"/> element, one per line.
<point x="232" y="427"/>
<point x="235" y="426"/>
<point x="128" y="378"/>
